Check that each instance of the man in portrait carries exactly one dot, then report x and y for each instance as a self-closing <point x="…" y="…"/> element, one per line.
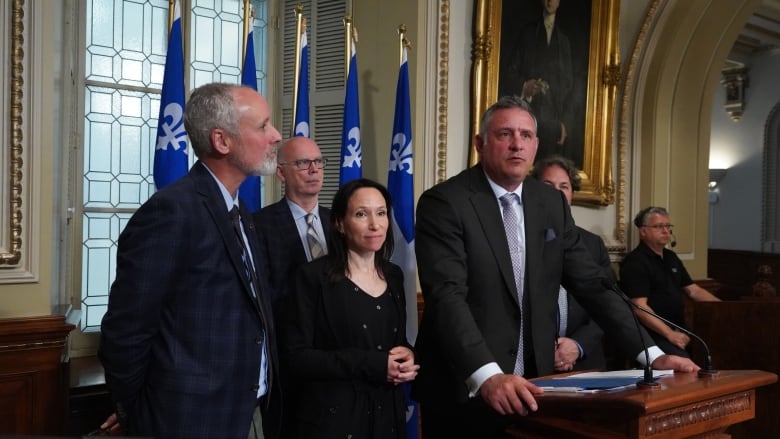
<point x="538" y="65"/>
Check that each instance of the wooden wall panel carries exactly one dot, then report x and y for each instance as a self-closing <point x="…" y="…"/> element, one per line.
<point x="736" y="270"/>
<point x="33" y="385"/>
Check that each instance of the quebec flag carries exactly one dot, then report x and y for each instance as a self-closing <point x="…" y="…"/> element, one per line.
<point x="400" y="183"/>
<point x="170" y="153"/>
<point x="302" y="104"/>
<point x="351" y="151"/>
<point x="250" y="189"/>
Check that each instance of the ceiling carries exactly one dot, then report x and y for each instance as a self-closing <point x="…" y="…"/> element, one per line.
<point x="761" y="33"/>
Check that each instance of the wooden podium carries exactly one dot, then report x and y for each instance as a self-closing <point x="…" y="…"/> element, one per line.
<point x="683" y="406"/>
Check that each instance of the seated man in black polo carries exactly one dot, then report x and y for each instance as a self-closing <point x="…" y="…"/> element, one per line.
<point x="655" y="278"/>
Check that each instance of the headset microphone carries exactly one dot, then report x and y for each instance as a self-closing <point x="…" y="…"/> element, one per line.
<point x="674" y="240"/>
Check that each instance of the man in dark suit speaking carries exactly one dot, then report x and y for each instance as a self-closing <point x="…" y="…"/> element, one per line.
<point x="187" y="343"/>
<point x="492" y="250"/>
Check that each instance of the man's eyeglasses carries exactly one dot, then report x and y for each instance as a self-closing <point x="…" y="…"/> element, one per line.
<point x="305" y="164"/>
<point x="660" y="226"/>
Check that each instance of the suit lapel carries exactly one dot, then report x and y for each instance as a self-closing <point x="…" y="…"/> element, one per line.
<point x="254" y="245"/>
<point x="215" y="205"/>
<point x="289" y="230"/>
<point x="489" y="215"/>
<point x="534" y="230"/>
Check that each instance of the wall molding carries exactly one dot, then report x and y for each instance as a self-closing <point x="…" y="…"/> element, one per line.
<point x="17" y="242"/>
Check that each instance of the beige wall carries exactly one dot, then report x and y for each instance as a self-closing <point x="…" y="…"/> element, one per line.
<point x="378" y="58"/>
<point x="669" y="114"/>
<point x="31" y="294"/>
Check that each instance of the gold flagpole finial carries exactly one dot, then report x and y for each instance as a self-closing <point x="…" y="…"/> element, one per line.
<point x="349" y="39"/>
<point x="402" y="42"/>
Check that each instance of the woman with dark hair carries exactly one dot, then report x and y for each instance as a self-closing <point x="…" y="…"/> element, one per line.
<point x="346" y="337"/>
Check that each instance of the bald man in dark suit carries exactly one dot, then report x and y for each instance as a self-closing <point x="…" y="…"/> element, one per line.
<point x="284" y="235"/>
<point x="282" y="225"/>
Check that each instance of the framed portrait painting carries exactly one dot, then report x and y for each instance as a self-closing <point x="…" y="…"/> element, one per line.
<point x="560" y="56"/>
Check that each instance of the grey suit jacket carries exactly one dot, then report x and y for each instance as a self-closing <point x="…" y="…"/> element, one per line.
<point x="180" y="340"/>
<point x="471" y="314"/>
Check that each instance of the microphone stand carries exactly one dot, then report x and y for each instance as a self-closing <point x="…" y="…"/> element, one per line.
<point x="708" y="370"/>
<point x="648" y="382"/>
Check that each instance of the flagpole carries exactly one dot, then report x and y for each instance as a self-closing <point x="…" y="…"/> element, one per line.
<point x="348" y="38"/>
<point x="171" y="8"/>
<point x="401" y="36"/>
<point x="249" y="15"/>
<point x="403" y="42"/>
<point x="300" y="25"/>
<point x="348" y="43"/>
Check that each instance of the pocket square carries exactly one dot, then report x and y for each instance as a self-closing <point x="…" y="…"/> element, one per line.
<point x="549" y="234"/>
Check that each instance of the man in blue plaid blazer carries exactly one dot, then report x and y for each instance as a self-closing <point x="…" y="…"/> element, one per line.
<point x="188" y="343"/>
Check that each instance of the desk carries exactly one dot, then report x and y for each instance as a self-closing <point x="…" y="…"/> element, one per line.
<point x="683" y="406"/>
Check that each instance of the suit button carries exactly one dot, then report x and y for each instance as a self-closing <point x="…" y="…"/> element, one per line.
<point x="259" y="339"/>
<point x="332" y="410"/>
<point x="255" y="388"/>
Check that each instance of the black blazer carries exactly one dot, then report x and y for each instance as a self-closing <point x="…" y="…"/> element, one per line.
<point x="580" y="327"/>
<point x="283" y="250"/>
<point x="282" y="246"/>
<point x="328" y="360"/>
<point x="179" y="340"/>
<point x="471" y="314"/>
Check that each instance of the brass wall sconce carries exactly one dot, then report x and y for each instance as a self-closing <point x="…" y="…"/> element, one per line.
<point x="735" y="80"/>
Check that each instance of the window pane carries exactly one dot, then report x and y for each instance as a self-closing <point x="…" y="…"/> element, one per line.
<point x="217" y="32"/>
<point x="126" y="46"/>
<point x="122" y="45"/>
<point x="118" y="147"/>
<point x="100" y="232"/>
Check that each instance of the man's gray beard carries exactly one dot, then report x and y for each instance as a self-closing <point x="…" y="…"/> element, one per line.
<point x="266" y="168"/>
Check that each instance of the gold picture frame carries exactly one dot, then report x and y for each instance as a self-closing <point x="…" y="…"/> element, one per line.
<point x="598" y="90"/>
<point x="12" y="217"/>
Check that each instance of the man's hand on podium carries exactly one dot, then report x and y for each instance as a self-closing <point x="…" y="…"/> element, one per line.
<point x="673" y="362"/>
<point x="510" y="394"/>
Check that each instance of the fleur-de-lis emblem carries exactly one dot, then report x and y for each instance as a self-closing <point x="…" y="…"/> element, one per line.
<point x="302" y="129"/>
<point x="401" y="154"/>
<point x="172" y="125"/>
<point x="354" y="155"/>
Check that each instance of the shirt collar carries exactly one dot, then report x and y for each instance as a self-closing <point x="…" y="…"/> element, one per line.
<point x="229" y="200"/>
<point x="298" y="212"/>
<point x="499" y="191"/>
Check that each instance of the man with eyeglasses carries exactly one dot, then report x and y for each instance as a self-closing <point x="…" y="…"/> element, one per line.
<point x="655" y="278"/>
<point x="292" y="231"/>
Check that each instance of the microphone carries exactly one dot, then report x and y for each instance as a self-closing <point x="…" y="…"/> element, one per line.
<point x="707" y="370"/>
<point x="648" y="381"/>
<point x="673" y="243"/>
